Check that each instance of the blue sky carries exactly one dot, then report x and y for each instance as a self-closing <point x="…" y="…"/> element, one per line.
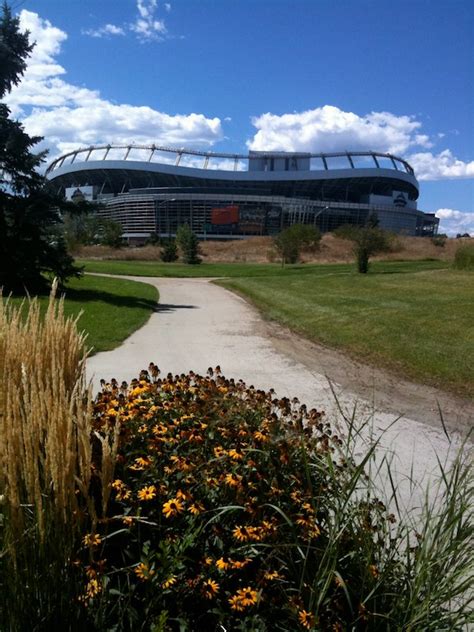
<point x="233" y="75"/>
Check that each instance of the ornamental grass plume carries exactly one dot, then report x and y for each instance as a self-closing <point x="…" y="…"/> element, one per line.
<point x="46" y="451"/>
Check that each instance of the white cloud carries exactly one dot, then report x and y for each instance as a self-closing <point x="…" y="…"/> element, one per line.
<point x="454" y="222"/>
<point x="146" y="26"/>
<point x="330" y="129"/>
<point x="440" y="166"/>
<point x="105" y="31"/>
<point x="70" y="116"/>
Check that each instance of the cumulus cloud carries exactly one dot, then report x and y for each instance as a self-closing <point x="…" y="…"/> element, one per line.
<point x="146" y="26"/>
<point x="430" y="166"/>
<point x="70" y="116"/>
<point x="330" y="129"/>
<point x="454" y="222"/>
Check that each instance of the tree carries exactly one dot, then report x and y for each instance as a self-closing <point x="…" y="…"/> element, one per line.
<point x="32" y="243"/>
<point x="368" y="241"/>
<point x="169" y="251"/>
<point x="295" y="238"/>
<point x="189" y="244"/>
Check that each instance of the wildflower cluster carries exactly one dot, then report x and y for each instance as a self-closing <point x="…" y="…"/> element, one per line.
<point x="224" y="509"/>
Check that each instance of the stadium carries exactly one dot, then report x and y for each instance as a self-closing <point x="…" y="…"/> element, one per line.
<point x="153" y="190"/>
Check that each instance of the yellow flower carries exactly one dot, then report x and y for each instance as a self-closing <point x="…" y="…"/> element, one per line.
<point x="238" y="564"/>
<point x="210" y="588"/>
<point x="92" y="539"/>
<point x="219" y="452"/>
<point x="222" y="564"/>
<point x="117" y="484"/>
<point x="143" y="571"/>
<point x="233" y="480"/>
<point x="127" y="521"/>
<point x="242" y="533"/>
<point x="236" y="455"/>
<point x="244" y="598"/>
<point x="236" y="604"/>
<point x="141" y="463"/>
<point x="248" y="596"/>
<point x="173" y="507"/>
<point x="261" y="436"/>
<point x="196" y="508"/>
<point x="306" y="619"/>
<point x="147" y="493"/>
<point x="169" y="582"/>
<point x="93" y="588"/>
<point x="271" y="575"/>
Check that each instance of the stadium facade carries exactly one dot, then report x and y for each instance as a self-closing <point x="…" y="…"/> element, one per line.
<point x="150" y="189"/>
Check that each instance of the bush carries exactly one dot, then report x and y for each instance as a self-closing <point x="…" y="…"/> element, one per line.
<point x="291" y="241"/>
<point x="232" y="508"/>
<point x="188" y="244"/>
<point x="464" y="257"/>
<point x="439" y="240"/>
<point x="169" y="250"/>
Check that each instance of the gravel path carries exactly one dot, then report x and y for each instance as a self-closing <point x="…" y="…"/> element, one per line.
<point x="199" y="325"/>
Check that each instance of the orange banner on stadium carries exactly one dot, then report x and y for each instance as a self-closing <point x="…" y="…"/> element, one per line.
<point x="225" y="215"/>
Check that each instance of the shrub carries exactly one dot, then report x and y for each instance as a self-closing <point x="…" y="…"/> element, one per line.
<point x="295" y="238"/>
<point x="464" y="257"/>
<point x="233" y="508"/>
<point x="189" y="244"/>
<point x="169" y="250"/>
<point x="439" y="240"/>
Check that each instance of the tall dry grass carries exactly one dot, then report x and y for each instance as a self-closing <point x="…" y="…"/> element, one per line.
<point x="46" y="457"/>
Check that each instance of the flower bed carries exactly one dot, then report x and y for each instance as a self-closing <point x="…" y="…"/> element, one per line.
<point x="232" y="507"/>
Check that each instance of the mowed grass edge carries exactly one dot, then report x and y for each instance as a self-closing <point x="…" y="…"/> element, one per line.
<point x="112" y="309"/>
<point x="416" y="324"/>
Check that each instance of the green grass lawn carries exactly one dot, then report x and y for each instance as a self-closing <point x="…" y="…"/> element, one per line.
<point x="112" y="308"/>
<point x="418" y="323"/>
<point x="413" y="317"/>
<point x="180" y="270"/>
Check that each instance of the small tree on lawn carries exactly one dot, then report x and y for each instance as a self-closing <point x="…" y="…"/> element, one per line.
<point x="293" y="239"/>
<point x="369" y="241"/>
<point x="188" y="244"/>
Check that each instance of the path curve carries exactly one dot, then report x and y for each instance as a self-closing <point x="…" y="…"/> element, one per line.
<point x="198" y="325"/>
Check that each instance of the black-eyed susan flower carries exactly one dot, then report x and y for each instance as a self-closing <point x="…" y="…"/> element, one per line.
<point x="93" y="588"/>
<point x="236" y="604"/>
<point x="243" y="534"/>
<point x="196" y="508"/>
<point x="306" y="619"/>
<point x="232" y="479"/>
<point x="143" y="571"/>
<point x="173" y="507"/>
<point x="210" y="588"/>
<point x="222" y="564"/>
<point x="236" y="455"/>
<point x="271" y="576"/>
<point x="171" y="581"/>
<point x="147" y="493"/>
<point x="92" y="539"/>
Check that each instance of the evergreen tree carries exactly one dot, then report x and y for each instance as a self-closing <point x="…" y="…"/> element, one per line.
<point x="188" y="244"/>
<point x="31" y="240"/>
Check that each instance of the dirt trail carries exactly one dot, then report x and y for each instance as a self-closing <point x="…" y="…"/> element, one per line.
<point x="198" y="324"/>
